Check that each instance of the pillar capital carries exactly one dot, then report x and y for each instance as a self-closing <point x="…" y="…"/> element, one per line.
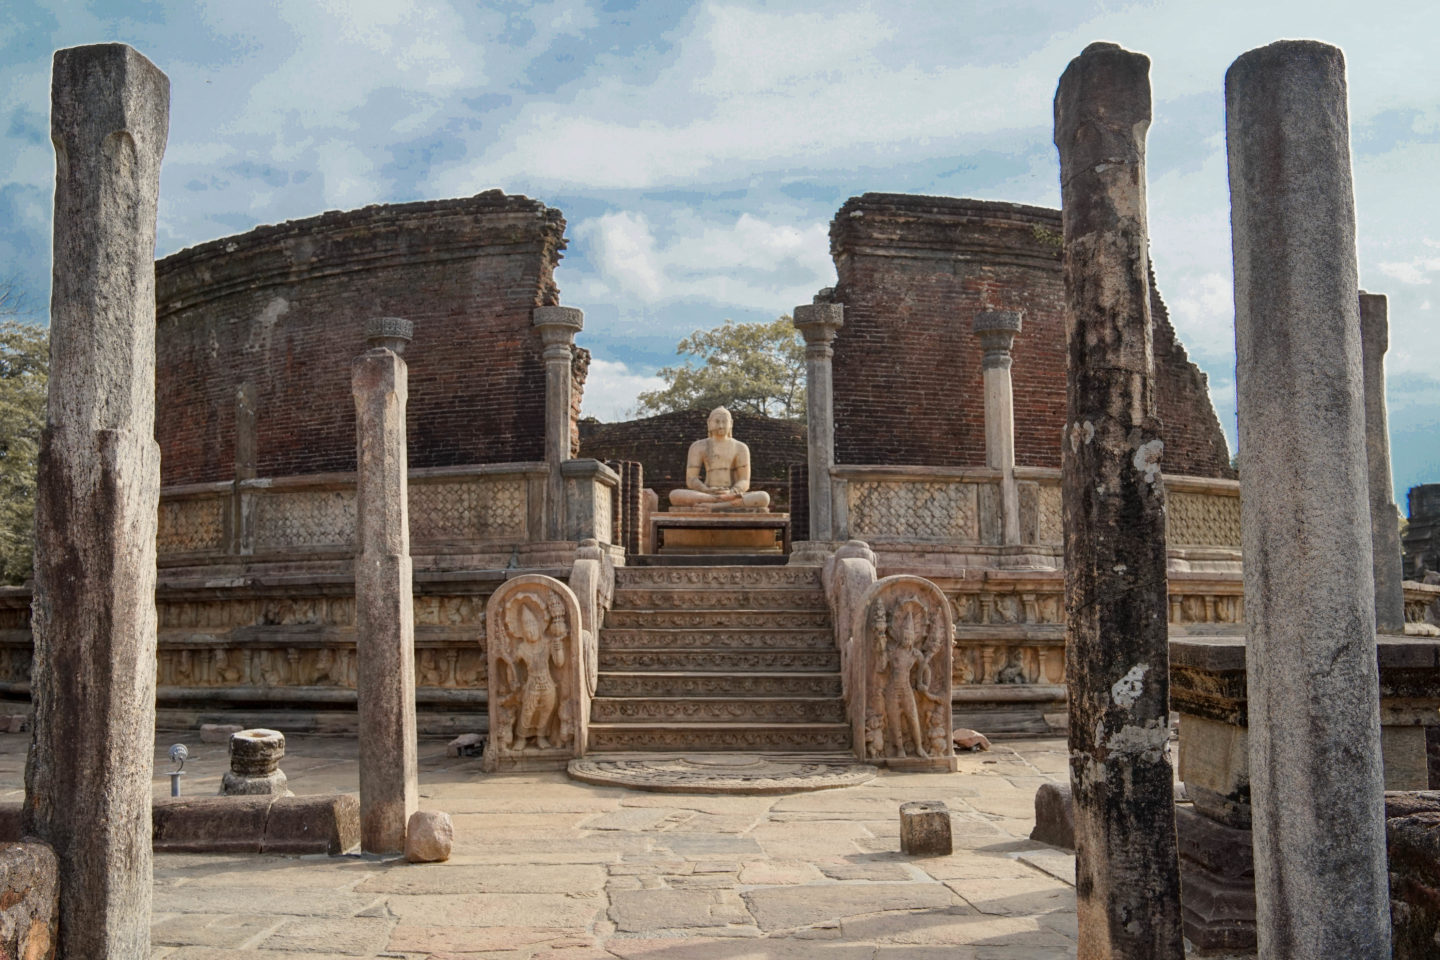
<point x="558" y="326"/>
<point x="389" y="333"/>
<point x="819" y="322"/>
<point x="996" y="330"/>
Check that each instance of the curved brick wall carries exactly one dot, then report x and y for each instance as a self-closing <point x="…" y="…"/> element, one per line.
<point x="661" y="443"/>
<point x="279" y="311"/>
<point x="913" y="273"/>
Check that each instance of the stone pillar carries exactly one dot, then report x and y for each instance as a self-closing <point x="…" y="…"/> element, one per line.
<point x="1127" y="870"/>
<point x="557" y="326"/>
<point x="996" y="330"/>
<point x="88" y="777"/>
<point x="384" y="601"/>
<point x="1317" y="793"/>
<point x="818" y="323"/>
<point x="1384" y="518"/>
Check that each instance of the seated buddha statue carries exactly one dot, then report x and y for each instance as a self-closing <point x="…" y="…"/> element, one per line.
<point x="725" y="463"/>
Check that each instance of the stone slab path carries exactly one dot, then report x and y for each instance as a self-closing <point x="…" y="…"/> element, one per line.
<point x="546" y="868"/>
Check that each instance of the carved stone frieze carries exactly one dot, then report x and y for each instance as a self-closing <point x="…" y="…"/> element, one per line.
<point x="1010" y="663"/>
<point x="539" y="705"/>
<point x="908" y="635"/>
<point x="207" y="664"/>
<point x="1008" y="608"/>
<point x="919" y="510"/>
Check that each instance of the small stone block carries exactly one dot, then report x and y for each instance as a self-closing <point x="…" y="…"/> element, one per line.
<point x="218" y="732"/>
<point x="466" y="745"/>
<point x="925" y="829"/>
<point x="294" y="825"/>
<point x="14" y="723"/>
<point x="428" y="837"/>
<point x="1054" y="816"/>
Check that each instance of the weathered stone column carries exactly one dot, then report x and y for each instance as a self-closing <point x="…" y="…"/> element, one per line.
<point x="1317" y="794"/>
<point x="1384" y="526"/>
<point x="1117" y="662"/>
<point x="384" y="602"/>
<point x="996" y="330"/>
<point x="818" y="323"/>
<point x="557" y="326"/>
<point x="87" y="780"/>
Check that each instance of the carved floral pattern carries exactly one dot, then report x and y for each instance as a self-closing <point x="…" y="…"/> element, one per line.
<point x="190" y="526"/>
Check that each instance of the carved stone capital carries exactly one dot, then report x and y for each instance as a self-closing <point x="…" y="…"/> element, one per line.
<point x="818" y="323"/>
<point x="389" y="333"/>
<point x="996" y="330"/>
<point x="558" y="326"/>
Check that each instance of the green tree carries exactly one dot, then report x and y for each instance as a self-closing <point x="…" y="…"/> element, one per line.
<point x="756" y="368"/>
<point x="24" y="372"/>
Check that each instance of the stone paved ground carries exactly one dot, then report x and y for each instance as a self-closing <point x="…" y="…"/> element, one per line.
<point x="548" y="869"/>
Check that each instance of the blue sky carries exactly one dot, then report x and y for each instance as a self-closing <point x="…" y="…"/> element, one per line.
<point x="698" y="151"/>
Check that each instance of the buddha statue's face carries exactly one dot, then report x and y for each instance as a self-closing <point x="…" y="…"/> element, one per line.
<point x="720" y="423"/>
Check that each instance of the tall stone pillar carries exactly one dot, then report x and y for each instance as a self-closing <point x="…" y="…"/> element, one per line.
<point x="818" y="323"/>
<point x="1317" y="793"/>
<point x="1387" y="558"/>
<point x="996" y="330"/>
<point x="87" y="780"/>
<point x="1117" y="657"/>
<point x="557" y="326"/>
<point x="384" y="601"/>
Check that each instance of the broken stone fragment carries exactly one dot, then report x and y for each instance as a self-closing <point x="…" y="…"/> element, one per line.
<point x="1054" y="816"/>
<point x="218" y="732"/>
<point x="971" y="740"/>
<point x="466" y="745"/>
<point x="255" y="764"/>
<point x="428" y="837"/>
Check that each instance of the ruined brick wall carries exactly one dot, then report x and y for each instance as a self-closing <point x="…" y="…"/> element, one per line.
<point x="282" y="308"/>
<point x="1422" y="532"/>
<point x="909" y="386"/>
<point x="661" y="443"/>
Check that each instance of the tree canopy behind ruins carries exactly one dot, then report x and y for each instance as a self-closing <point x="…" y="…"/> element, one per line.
<point x="24" y="369"/>
<point x="756" y="368"/>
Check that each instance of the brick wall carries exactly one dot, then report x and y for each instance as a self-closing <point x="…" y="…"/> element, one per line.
<point x="661" y="443"/>
<point x="282" y="308"/>
<point x="909" y="386"/>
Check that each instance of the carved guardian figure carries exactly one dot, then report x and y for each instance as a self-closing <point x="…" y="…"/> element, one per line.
<point x="539" y="703"/>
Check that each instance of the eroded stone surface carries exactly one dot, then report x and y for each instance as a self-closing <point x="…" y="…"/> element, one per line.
<point x="429" y="837"/>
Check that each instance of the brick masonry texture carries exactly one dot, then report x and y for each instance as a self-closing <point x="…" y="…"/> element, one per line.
<point x="661" y="443"/>
<point x="909" y="387"/>
<point x="282" y="308"/>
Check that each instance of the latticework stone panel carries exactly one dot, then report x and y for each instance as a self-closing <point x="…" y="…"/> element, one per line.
<point x="924" y="510"/>
<point x="190" y="526"/>
<point x="1202" y="520"/>
<point x="305" y="518"/>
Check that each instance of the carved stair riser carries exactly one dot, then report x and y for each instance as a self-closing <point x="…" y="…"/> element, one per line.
<point x="718" y="619"/>
<point x="739" y="710"/>
<point x="633" y="639"/>
<point x="719" y="737"/>
<point x="702" y="577"/>
<point x="718" y="685"/>
<point x="728" y="598"/>
<point x="702" y="661"/>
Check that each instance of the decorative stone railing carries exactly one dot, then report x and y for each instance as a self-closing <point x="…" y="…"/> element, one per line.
<point x="452" y="510"/>
<point x="962" y="506"/>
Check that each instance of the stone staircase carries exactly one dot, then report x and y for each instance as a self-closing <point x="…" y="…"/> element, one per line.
<point x="718" y="658"/>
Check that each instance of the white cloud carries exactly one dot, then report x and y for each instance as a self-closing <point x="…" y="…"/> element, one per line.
<point x="611" y="388"/>
<point x="1416" y="271"/>
<point x="1202" y="308"/>
<point x="748" y="262"/>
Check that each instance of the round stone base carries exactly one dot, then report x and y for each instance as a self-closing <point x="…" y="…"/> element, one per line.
<point x="238" y="785"/>
<point x="738" y="773"/>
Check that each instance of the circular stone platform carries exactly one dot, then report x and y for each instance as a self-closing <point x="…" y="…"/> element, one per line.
<point x="739" y="773"/>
